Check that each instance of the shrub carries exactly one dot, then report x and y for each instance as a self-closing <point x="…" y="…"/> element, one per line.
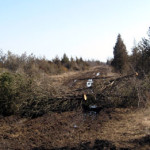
<point x="14" y="90"/>
<point x="124" y="92"/>
<point x="7" y="94"/>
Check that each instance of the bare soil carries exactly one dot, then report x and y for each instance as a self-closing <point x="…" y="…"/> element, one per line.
<point x="111" y="128"/>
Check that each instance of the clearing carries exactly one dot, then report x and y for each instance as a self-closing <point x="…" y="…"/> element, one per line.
<point x="111" y="128"/>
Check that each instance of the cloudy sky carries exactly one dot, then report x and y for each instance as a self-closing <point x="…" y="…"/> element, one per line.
<point x="83" y="28"/>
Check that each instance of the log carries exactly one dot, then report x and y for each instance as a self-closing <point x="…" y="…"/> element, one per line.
<point x="127" y="76"/>
<point x="95" y="78"/>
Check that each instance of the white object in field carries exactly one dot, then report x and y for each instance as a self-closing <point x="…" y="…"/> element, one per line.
<point x="75" y="80"/>
<point x="75" y="126"/>
<point x="93" y="106"/>
<point x="98" y="74"/>
<point x="89" y="83"/>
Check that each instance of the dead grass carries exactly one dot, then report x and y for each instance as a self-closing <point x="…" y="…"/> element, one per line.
<point x="119" y="126"/>
<point x="123" y="127"/>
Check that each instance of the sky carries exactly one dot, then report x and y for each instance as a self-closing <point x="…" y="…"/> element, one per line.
<point x="82" y="28"/>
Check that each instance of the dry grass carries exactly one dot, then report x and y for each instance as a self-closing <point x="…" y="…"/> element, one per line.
<point x="120" y="126"/>
<point x="125" y="128"/>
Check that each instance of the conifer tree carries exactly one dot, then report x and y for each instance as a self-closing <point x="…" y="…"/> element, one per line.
<point x="135" y="58"/>
<point x="145" y="55"/>
<point x="65" y="59"/>
<point x="120" y="61"/>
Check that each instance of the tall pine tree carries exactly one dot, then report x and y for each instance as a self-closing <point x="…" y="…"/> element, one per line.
<point x="120" y="61"/>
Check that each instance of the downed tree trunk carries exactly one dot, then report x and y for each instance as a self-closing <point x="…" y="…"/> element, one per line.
<point x="96" y="78"/>
<point x="74" y="101"/>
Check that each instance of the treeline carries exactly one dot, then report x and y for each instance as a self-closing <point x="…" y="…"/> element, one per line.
<point x="30" y="64"/>
<point x="138" y="61"/>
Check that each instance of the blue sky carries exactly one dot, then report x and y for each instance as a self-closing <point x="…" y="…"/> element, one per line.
<point x="83" y="28"/>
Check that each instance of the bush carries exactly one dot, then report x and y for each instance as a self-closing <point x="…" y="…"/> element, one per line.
<point x="7" y="94"/>
<point x="124" y="92"/>
<point x="20" y="94"/>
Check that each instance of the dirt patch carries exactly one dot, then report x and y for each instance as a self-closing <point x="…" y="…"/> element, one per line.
<point x="98" y="144"/>
<point x="118" y="128"/>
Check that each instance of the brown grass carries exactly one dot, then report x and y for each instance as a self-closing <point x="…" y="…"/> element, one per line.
<point x="123" y="127"/>
<point x="120" y="126"/>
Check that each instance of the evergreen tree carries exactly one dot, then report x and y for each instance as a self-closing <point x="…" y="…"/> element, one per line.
<point x="140" y="58"/>
<point x="56" y="60"/>
<point x="135" y="58"/>
<point x="65" y="62"/>
<point x="65" y="59"/>
<point x="144" y="46"/>
<point x="120" y="61"/>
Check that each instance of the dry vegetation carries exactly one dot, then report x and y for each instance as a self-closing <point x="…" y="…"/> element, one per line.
<point x="48" y="104"/>
<point x="51" y="116"/>
<point x="120" y="128"/>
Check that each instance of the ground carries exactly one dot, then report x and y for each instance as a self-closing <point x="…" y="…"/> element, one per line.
<point x="112" y="128"/>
